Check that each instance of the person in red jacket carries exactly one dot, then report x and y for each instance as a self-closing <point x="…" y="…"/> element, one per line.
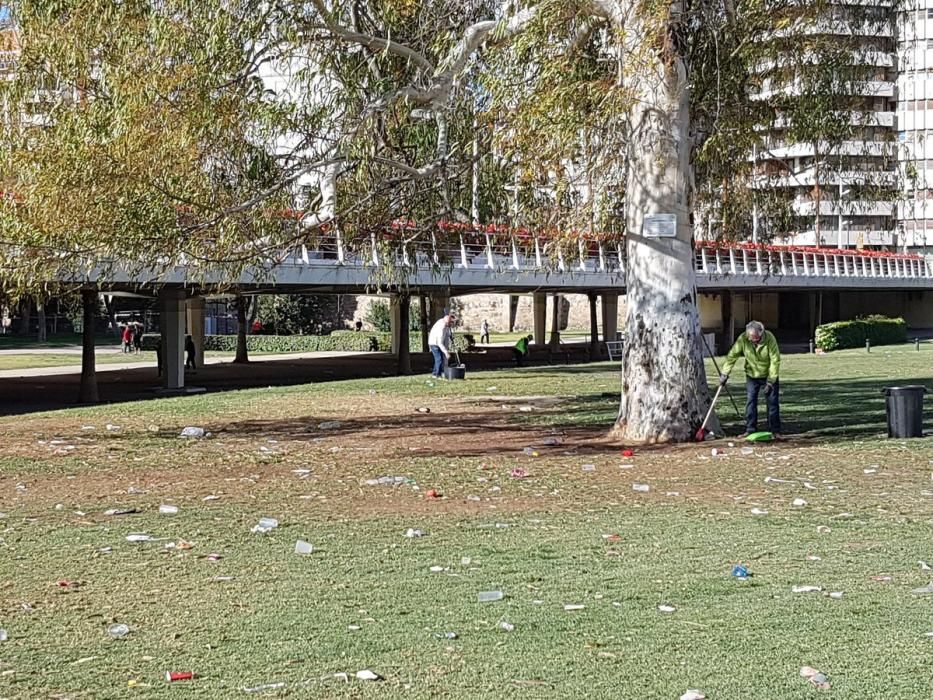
<point x="127" y="338"/>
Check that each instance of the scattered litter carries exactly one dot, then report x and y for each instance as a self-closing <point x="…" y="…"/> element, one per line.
<point x="716" y="452"/>
<point x="353" y="628"/>
<point x="133" y="489"/>
<point x="589" y="467"/>
<point x="823" y="529"/>
<point x="210" y="498"/>
<point x="641" y="488"/>
<point x="213" y="556"/>
<point x="139" y="538"/>
<point x="302" y="473"/>
<point x="506" y="626"/>
<point x="746" y="451"/>
<point x="118" y="631"/>
<point x="836" y="595"/>
<point x="329" y="425"/>
<point x="518" y="473"/>
<point x="112" y="428"/>
<point x="530" y="452"/>
<point x="667" y="608"/>
<point x="388" y="481"/>
<point x="412" y="532"/>
<point x="924" y="566"/>
<point x="424" y="409"/>
<point x="446" y="635"/>
<point x="436" y="569"/>
<point x="265" y="525"/>
<point x="3" y="635"/>
<point x="526" y="409"/>
<point x="121" y="511"/>
<point x="798" y="503"/>
<point x="168" y="510"/>
<point x="693" y="695"/>
<point x="882" y="578"/>
<point x="465" y="561"/>
<point x="302" y="547"/>
<point x="628" y="453"/>
<point x="813" y="557"/>
<point x="264" y="687"/>
<point x="432" y="493"/>
<point x="869" y="471"/>
<point x="181" y="544"/>
<point x="171" y="676"/>
<point x="192" y="432"/>
<point x="759" y="511"/>
<point x="775" y="480"/>
<point x="740" y="572"/>
<point x="924" y="589"/>
<point x="806" y="589"/>
<point x="570" y="607"/>
<point x="815" y="677"/>
<point x="490" y="596"/>
<point x="367" y="675"/>
<point x="552" y="442"/>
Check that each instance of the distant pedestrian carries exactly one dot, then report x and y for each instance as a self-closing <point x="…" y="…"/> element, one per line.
<point x="257" y="326"/>
<point x="190" y="353"/>
<point x="137" y="337"/>
<point x="127" y="338"/>
<point x="439" y="341"/>
<point x="521" y="350"/>
<point x="484" y="332"/>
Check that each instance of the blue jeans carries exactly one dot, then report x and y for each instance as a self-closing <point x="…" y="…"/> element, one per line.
<point x="438" y="361"/>
<point x="752" y="388"/>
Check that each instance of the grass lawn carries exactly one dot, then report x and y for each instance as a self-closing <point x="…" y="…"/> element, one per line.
<point x="571" y="532"/>
<point x="12" y="341"/>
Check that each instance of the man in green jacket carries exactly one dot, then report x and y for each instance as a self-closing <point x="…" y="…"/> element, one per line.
<point x="762" y="366"/>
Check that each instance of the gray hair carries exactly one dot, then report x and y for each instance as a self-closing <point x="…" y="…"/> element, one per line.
<point x="755" y="326"/>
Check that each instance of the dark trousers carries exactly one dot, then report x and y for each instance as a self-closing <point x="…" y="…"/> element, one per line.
<point x="752" y="389"/>
<point x="519" y="357"/>
<point x="484" y="338"/>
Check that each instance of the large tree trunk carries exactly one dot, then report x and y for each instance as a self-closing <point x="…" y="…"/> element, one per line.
<point x="554" y="341"/>
<point x="41" y="336"/>
<point x="242" y="355"/>
<point x="664" y="391"/>
<point x="88" y="390"/>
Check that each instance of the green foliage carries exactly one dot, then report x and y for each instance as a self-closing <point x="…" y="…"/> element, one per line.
<point x="879" y="330"/>
<point x="340" y="341"/>
<point x="379" y="316"/>
<point x="299" y="314"/>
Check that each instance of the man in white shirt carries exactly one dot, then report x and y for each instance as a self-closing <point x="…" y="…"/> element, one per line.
<point x="439" y="340"/>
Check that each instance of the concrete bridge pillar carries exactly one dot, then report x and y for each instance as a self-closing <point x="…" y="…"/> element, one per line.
<point x="400" y="308"/>
<point x="554" y="342"/>
<point x="540" y="315"/>
<point x="610" y="315"/>
<point x="196" y="328"/>
<point x="172" y="325"/>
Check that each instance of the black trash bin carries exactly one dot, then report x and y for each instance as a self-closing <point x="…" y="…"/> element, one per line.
<point x="455" y="372"/>
<point x="904" y="408"/>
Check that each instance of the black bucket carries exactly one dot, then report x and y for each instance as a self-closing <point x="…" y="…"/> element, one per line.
<point x="458" y="372"/>
<point x="904" y="408"/>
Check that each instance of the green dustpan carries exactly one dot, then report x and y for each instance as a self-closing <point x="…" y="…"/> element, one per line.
<point x="761" y="436"/>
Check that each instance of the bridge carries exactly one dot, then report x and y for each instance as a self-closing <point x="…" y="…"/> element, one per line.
<point x="460" y="260"/>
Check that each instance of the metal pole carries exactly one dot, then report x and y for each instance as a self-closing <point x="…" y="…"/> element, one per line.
<point x="812" y="346"/>
<point x="867" y="345"/>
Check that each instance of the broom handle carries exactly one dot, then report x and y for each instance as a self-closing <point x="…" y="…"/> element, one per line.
<point x="712" y="405"/>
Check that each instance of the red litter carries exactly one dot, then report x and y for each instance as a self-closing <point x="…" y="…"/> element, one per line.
<point x="518" y="473"/>
<point x="431" y="493"/>
<point x="179" y="676"/>
<point x="628" y="453"/>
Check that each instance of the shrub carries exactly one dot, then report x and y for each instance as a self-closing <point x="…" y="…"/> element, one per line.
<point x="346" y="341"/>
<point x="879" y="330"/>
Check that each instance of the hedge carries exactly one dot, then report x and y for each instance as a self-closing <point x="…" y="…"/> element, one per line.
<point x="880" y="330"/>
<point x="346" y="341"/>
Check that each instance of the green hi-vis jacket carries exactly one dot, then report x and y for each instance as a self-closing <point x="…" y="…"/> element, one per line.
<point x="762" y="361"/>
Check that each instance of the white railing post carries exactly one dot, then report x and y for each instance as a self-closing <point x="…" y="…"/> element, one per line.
<point x="305" y="258"/>
<point x="602" y="257"/>
<point x="704" y="264"/>
<point x="718" y="261"/>
<point x="783" y="258"/>
<point x="489" y="261"/>
<point x="732" y="267"/>
<point x="341" y="255"/>
<point x="434" y="256"/>
<point x="515" y="264"/>
<point x="463" y="253"/>
<point x="793" y="263"/>
<point x="758" y="262"/>
<point x="539" y="263"/>
<point x="372" y="242"/>
<point x="806" y="266"/>
<point x="583" y="254"/>
<point x="745" y="269"/>
<point x="560" y="259"/>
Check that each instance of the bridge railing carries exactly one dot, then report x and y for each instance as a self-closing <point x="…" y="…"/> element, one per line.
<point x="716" y="259"/>
<point x="521" y="251"/>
